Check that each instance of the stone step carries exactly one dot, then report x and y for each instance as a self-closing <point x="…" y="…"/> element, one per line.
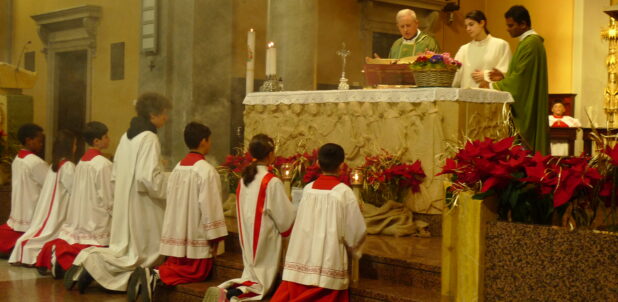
<point x="411" y="261"/>
<point x="403" y="269"/>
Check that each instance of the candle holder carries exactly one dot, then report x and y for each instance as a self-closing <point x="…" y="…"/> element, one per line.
<point x="287" y="170"/>
<point x="357" y="177"/>
<point x="271" y="84"/>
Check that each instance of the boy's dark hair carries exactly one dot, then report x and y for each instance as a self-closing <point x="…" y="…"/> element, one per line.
<point x="330" y="157"/>
<point x="195" y="133"/>
<point x="94" y="130"/>
<point x="260" y="146"/>
<point x="29" y="130"/>
<point x="151" y="103"/>
<point x="519" y="14"/>
<point x="63" y="148"/>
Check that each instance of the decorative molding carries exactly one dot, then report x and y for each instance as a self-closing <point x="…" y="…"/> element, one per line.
<point x="436" y="5"/>
<point x="69" y="28"/>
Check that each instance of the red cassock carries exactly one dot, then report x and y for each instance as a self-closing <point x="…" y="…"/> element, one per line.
<point x="65" y="253"/>
<point x="9" y="236"/>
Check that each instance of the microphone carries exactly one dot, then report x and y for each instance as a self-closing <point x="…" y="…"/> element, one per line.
<point x="21" y="55"/>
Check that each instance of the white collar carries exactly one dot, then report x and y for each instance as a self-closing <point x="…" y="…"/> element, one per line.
<point x="418" y="33"/>
<point x="526" y="34"/>
<point x="484" y="41"/>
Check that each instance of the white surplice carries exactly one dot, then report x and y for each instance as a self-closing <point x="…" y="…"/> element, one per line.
<point x="194" y="212"/>
<point x="481" y="55"/>
<point x="276" y="218"/>
<point x="48" y="216"/>
<point x="327" y="222"/>
<point x="140" y="185"/>
<point x="28" y="173"/>
<point x="90" y="206"/>
<point x="561" y="147"/>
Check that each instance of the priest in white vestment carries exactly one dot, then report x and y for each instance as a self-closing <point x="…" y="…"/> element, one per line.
<point x="28" y="173"/>
<point x="481" y="55"/>
<point x="89" y="212"/>
<point x="328" y="224"/>
<point x="265" y="215"/>
<point x="140" y="184"/>
<point x="52" y="205"/>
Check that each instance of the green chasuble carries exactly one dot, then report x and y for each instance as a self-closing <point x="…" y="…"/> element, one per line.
<point x="526" y="80"/>
<point x="422" y="43"/>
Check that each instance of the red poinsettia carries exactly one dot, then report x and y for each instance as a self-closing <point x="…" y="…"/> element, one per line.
<point x="386" y="176"/>
<point x="491" y="163"/>
<point x="236" y="163"/>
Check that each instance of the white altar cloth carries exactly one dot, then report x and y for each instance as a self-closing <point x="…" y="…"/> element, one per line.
<point x="379" y="95"/>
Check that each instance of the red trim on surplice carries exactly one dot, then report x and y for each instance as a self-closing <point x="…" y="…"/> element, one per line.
<point x="23" y="153"/>
<point x="65" y="253"/>
<point x="326" y="182"/>
<point x="51" y="206"/>
<point x="176" y="270"/>
<point x="294" y="292"/>
<point x="8" y="237"/>
<point x="191" y="159"/>
<point x="90" y="154"/>
<point x="259" y="210"/>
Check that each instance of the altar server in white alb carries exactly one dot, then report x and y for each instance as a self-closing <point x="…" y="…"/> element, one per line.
<point x="193" y="224"/>
<point x="53" y="201"/>
<point x="558" y="120"/>
<point x="28" y="173"/>
<point x="328" y="222"/>
<point x="140" y="184"/>
<point x="89" y="213"/>
<point x="265" y="215"/>
<point x="481" y="55"/>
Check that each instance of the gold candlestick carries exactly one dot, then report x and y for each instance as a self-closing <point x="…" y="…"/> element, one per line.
<point x="610" y="104"/>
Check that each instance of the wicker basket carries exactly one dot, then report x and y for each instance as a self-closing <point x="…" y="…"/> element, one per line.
<point x="434" y="77"/>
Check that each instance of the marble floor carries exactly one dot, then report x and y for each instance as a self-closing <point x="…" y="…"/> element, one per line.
<point x="21" y="284"/>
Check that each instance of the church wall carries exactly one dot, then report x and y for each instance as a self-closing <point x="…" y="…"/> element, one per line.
<point x="5" y="31"/>
<point x="590" y="51"/>
<point x="111" y="101"/>
<point x="553" y="20"/>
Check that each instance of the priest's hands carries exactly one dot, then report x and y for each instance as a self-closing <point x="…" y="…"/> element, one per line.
<point x="478" y="76"/>
<point x="496" y="75"/>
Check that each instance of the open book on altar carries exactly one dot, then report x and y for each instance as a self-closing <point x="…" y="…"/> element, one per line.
<point x="386" y="73"/>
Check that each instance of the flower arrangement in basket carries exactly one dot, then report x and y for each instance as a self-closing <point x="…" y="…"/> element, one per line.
<point x="434" y="70"/>
<point x="387" y="178"/>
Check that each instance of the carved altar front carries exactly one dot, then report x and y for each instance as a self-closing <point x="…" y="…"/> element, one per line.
<point x="420" y="122"/>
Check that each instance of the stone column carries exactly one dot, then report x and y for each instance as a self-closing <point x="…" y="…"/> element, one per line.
<point x="293" y="26"/>
<point x="6" y="31"/>
<point x="193" y="68"/>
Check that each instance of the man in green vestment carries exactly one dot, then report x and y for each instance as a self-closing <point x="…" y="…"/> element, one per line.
<point x="526" y="80"/>
<point x="412" y="40"/>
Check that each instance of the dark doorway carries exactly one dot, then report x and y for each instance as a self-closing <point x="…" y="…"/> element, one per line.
<point x="71" y="91"/>
<point x="382" y="43"/>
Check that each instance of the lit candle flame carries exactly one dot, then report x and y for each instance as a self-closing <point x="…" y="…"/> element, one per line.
<point x="271" y="44"/>
<point x="251" y="30"/>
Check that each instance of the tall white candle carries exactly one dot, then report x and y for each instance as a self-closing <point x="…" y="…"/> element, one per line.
<point x="271" y="59"/>
<point x="250" y="60"/>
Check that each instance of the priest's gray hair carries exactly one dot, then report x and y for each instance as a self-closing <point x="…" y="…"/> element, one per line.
<point x="405" y="12"/>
